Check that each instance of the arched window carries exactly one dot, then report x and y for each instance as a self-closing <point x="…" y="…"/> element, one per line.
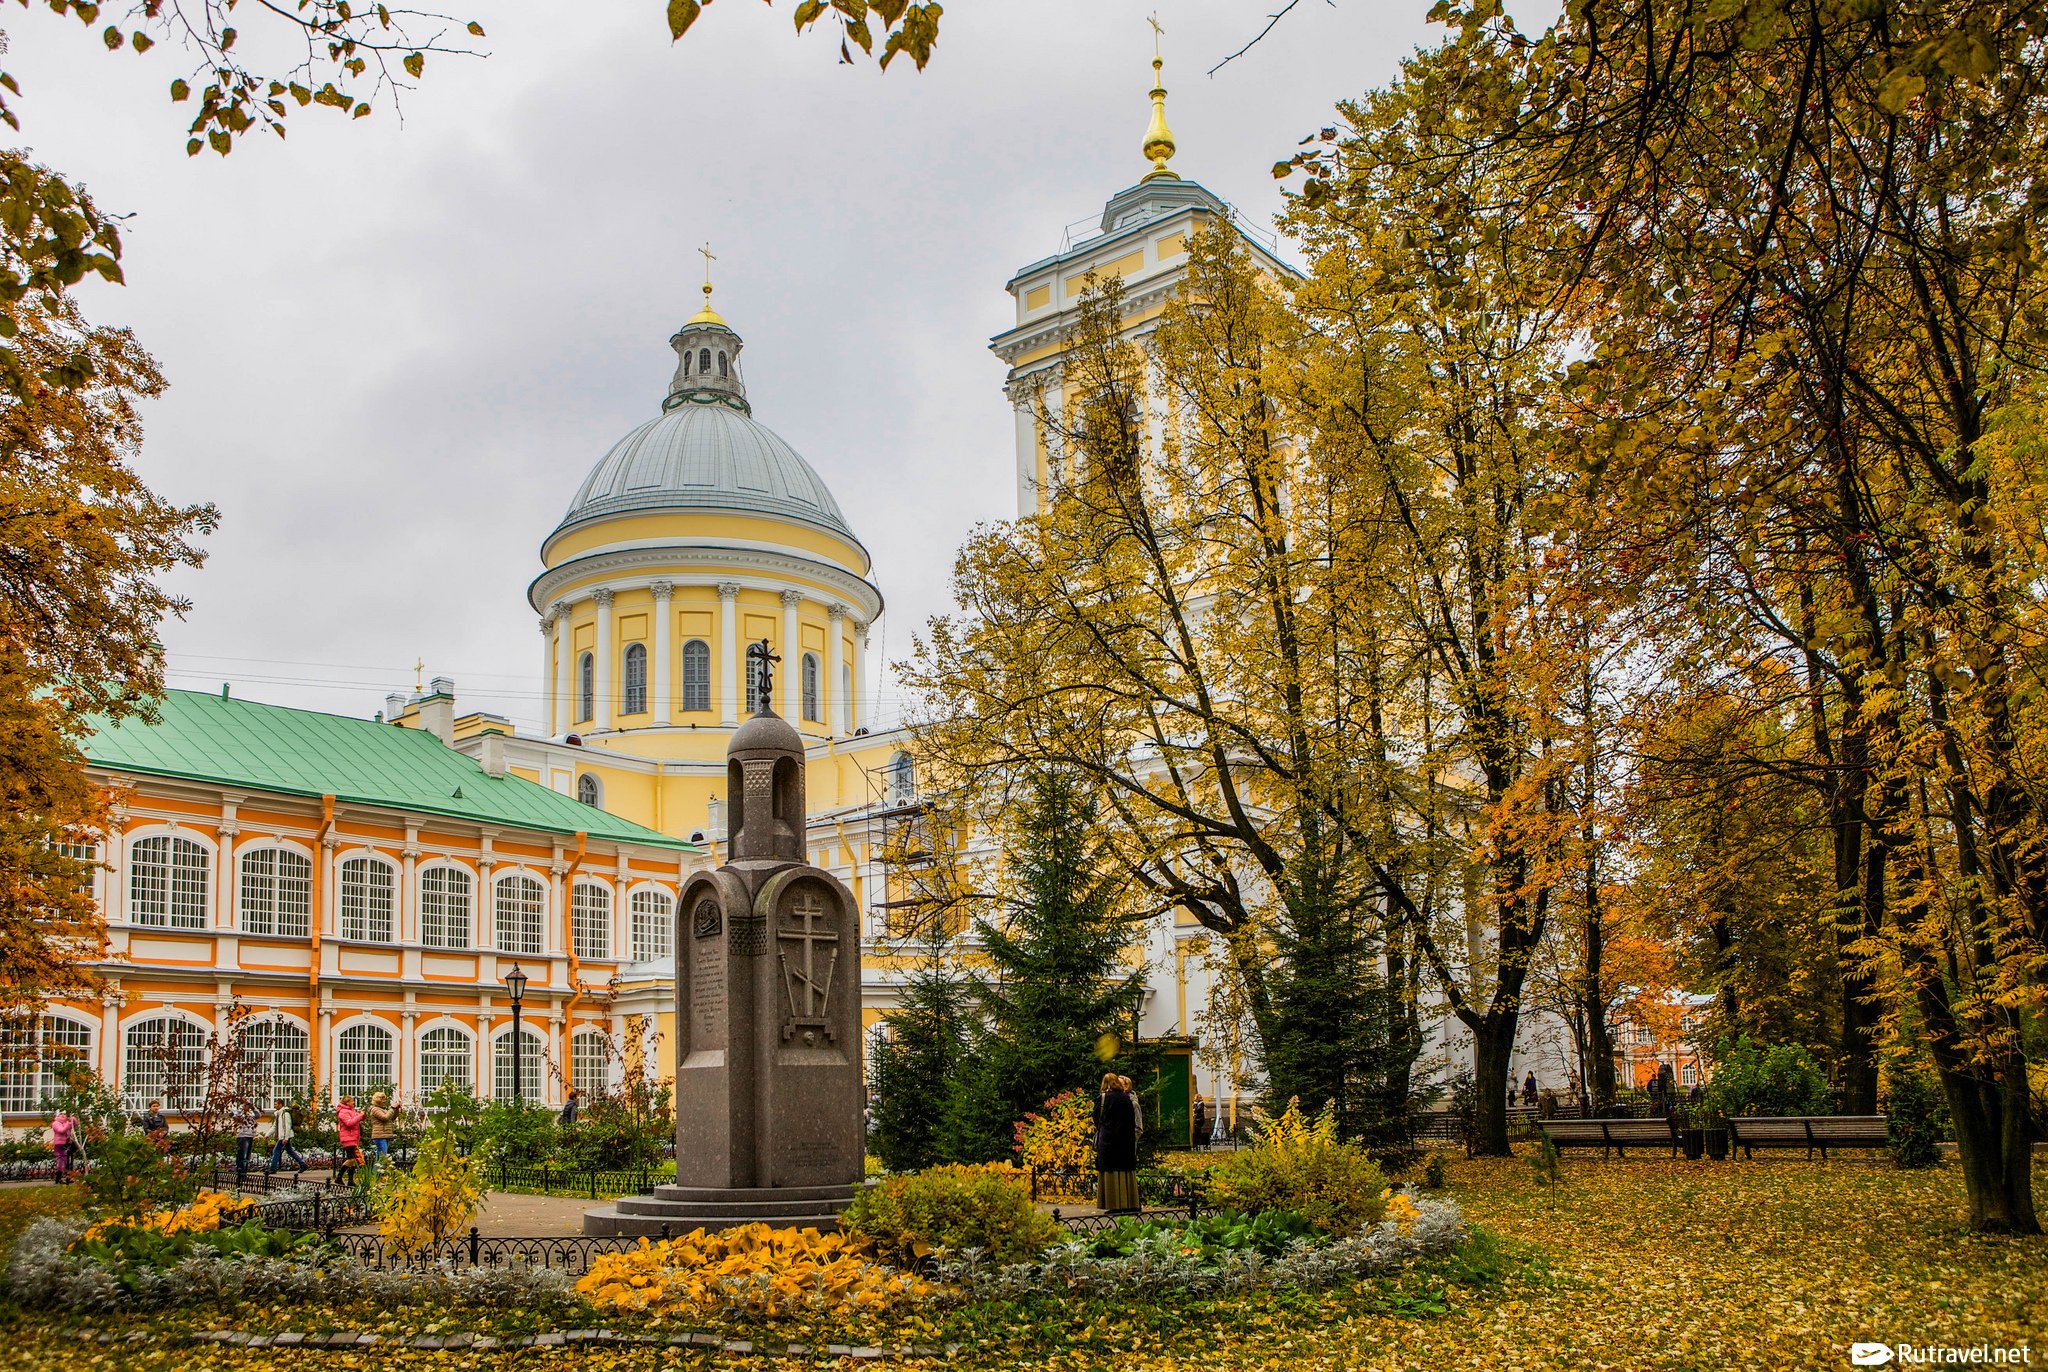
<point x="721" y="363"/>
<point x="654" y="916"/>
<point x="277" y="892"/>
<point x="167" y="882"/>
<point x="365" y="1062"/>
<point x="521" y="904"/>
<point x="686" y="364"/>
<point x="276" y="1060"/>
<point x="703" y="361"/>
<point x="846" y="692"/>
<point x="811" y="711"/>
<point x="590" y="920"/>
<point x="901" y="780"/>
<point x="446" y="1054"/>
<point x="366" y="900"/>
<point x="533" y="1061"/>
<point x="696" y="675"/>
<point x="586" y="688"/>
<point x="636" y="680"/>
<point x="588" y="791"/>
<point x="590" y="1061"/>
<point x="37" y="1060"/>
<point x="163" y="1058"/>
<point x="445" y="907"/>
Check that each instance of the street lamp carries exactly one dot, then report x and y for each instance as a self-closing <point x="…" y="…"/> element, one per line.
<point x="515" y="987"/>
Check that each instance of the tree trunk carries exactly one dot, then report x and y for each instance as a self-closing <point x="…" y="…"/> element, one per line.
<point x="1859" y="855"/>
<point x="1493" y="1043"/>
<point x="1993" y="1146"/>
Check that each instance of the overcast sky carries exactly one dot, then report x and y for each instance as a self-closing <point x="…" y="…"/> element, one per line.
<point x="395" y="351"/>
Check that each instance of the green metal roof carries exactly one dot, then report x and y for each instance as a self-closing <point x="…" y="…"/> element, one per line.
<point x="300" y="752"/>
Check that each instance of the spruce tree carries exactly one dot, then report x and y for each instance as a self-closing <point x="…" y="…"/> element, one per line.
<point x="915" y="1068"/>
<point x="1056" y="982"/>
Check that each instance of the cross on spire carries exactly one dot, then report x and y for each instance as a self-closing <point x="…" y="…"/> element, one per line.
<point x="1157" y="32"/>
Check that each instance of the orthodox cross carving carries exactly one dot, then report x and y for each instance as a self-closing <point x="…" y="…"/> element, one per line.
<point x="761" y="676"/>
<point x="808" y="955"/>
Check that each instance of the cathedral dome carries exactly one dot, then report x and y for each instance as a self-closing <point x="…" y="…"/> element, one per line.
<point x="704" y="454"/>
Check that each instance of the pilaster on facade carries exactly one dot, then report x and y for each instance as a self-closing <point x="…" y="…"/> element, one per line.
<point x="562" y="718"/>
<point x="661" y="671"/>
<point x="547" y="669"/>
<point x="607" y="693"/>
<point x="729" y="652"/>
<point x="792" y="656"/>
<point x="837" y="691"/>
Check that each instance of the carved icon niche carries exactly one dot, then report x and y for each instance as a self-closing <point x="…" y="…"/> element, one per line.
<point x="808" y="949"/>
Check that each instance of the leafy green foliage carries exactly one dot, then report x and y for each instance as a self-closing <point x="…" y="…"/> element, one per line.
<point x="951" y="1207"/>
<point x="1270" y="1232"/>
<point x="1299" y="1165"/>
<point x="130" y="1176"/>
<point x="1916" y="1117"/>
<point x="1757" y="1079"/>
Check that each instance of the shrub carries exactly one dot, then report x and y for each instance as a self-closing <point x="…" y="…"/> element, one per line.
<point x="1755" y="1079"/>
<point x="951" y="1207"/>
<point x="1916" y="1117"/>
<point x="1300" y="1164"/>
<point x="1433" y="1171"/>
<point x="750" y="1270"/>
<point x="1058" y="1140"/>
<point x="610" y="1136"/>
<point x="1271" y="1232"/>
<point x="421" y="1209"/>
<point x="129" y="1176"/>
<point x="202" y="1216"/>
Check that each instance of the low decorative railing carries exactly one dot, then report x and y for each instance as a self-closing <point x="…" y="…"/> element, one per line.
<point x="594" y="1183"/>
<point x="570" y="1253"/>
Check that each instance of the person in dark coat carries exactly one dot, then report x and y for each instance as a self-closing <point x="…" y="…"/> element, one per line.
<point x="1116" y="1147"/>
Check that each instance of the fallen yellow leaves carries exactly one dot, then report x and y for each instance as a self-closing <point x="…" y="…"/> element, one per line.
<point x="202" y="1216"/>
<point x="751" y="1270"/>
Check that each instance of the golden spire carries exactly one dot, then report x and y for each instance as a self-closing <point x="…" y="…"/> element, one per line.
<point x="1158" y="137"/>
<point x="707" y="315"/>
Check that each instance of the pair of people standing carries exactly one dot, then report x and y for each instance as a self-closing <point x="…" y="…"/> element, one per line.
<point x="1119" y="1120"/>
<point x="349" y="1132"/>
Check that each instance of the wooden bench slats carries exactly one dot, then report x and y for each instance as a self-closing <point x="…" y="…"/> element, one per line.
<point x="1616" y="1135"/>
<point x="1822" y="1132"/>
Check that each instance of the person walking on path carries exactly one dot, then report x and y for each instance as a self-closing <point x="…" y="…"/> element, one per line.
<point x="1116" y="1147"/>
<point x="245" y="1135"/>
<point x="382" y="1119"/>
<point x="282" y="1142"/>
<point x="1529" y="1091"/>
<point x="63" y="1128"/>
<point x="569" y="1106"/>
<point x="348" y="1139"/>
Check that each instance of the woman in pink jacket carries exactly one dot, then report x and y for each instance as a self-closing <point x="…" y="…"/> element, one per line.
<point x="349" y="1139"/>
<point x="62" y="1129"/>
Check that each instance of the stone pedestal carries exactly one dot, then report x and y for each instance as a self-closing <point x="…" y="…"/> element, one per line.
<point x="767" y="1025"/>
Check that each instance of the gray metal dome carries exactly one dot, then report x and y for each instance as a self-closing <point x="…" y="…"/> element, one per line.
<point x="704" y="455"/>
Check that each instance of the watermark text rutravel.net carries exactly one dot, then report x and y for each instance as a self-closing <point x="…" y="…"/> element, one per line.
<point x="1941" y="1355"/>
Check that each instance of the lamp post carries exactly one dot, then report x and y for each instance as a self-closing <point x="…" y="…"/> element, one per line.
<point x="515" y="987"/>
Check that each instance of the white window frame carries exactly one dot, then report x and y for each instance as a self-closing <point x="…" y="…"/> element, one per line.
<point x="439" y="1061"/>
<point x="356" y="1059"/>
<point x="813" y="708"/>
<point x="696" y="675"/>
<point x="533" y="1065"/>
<point x="633" y="675"/>
<point x="171" y="890"/>
<point x="189" y="1043"/>
<point x="586" y="687"/>
<point x="367" y="913"/>
<point x="446" y="922"/>
<point x="273" y="904"/>
<point x="269" y="1042"/>
<point x="590" y="1061"/>
<point x="653" y="923"/>
<point x="590" y="919"/>
<point x="528" y="937"/>
<point x="29" y="1069"/>
<point x="590" y="791"/>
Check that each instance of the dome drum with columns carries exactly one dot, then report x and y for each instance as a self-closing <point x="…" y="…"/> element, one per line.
<point x="700" y="532"/>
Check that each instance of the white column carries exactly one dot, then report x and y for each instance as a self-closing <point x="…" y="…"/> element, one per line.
<point x="729" y="652"/>
<point x="564" y="718"/>
<point x="792" y="658"/>
<point x="607" y="699"/>
<point x="550" y="702"/>
<point x="858" y="714"/>
<point x="835" y="628"/>
<point x="661" y="671"/>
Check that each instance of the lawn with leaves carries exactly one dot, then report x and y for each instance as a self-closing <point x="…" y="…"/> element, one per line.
<point x="1636" y="1265"/>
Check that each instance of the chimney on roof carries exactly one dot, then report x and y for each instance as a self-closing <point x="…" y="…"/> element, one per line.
<point x="437" y="709"/>
<point x="492" y="753"/>
<point x="394" y="706"/>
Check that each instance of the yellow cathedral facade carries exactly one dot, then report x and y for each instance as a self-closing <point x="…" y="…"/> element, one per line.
<point x="356" y="891"/>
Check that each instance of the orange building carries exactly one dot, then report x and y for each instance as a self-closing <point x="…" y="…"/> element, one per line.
<point x="361" y="891"/>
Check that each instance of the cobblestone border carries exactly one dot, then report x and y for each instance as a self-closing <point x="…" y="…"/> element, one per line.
<point x="557" y="1339"/>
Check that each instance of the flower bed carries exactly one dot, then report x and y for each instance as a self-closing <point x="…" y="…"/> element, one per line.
<point x="752" y="1270"/>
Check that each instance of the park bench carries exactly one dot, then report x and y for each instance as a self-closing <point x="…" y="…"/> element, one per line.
<point x="1751" y="1132"/>
<point x="1618" y="1135"/>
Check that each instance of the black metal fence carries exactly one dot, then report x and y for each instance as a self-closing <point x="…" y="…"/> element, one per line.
<point x="569" y="1253"/>
<point x="322" y="1212"/>
<point x="595" y="1183"/>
